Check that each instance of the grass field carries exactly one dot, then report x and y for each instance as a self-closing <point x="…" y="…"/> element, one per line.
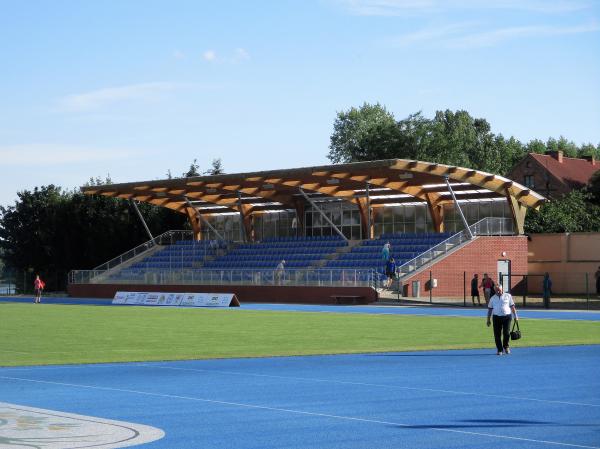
<point x="53" y="334"/>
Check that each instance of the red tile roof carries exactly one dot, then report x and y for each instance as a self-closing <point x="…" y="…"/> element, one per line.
<point x="571" y="171"/>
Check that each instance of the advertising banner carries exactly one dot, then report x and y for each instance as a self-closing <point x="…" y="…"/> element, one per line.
<point x="177" y="299"/>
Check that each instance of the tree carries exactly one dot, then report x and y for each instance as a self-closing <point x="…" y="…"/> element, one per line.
<point x="193" y="170"/>
<point x="217" y="168"/>
<point x="366" y="133"/>
<point x="594" y="188"/>
<point x="455" y="138"/>
<point x="571" y="213"/>
<point x="52" y="232"/>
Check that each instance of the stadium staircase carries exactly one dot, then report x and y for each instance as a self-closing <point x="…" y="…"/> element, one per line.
<point x="404" y="247"/>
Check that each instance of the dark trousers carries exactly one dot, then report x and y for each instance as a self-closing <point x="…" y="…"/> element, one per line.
<point x="502" y="331"/>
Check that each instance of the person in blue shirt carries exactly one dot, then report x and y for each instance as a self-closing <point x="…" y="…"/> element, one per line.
<point x="547" y="286"/>
<point x="390" y="272"/>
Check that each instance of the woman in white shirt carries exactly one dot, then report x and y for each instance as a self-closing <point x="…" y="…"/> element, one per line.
<point x="500" y="306"/>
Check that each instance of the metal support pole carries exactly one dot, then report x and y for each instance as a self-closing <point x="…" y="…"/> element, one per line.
<point x="464" y="220"/>
<point x="465" y="289"/>
<point x="587" y="290"/>
<point x="143" y="221"/>
<point x="430" y="287"/>
<point x="242" y="230"/>
<point x="323" y="214"/>
<point x="204" y="220"/>
<point x="368" y="212"/>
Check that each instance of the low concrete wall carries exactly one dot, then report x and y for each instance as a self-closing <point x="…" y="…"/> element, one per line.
<point x="245" y="293"/>
<point x="571" y="259"/>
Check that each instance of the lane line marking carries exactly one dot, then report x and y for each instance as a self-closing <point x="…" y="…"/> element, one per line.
<point x="298" y="412"/>
<point x="366" y="384"/>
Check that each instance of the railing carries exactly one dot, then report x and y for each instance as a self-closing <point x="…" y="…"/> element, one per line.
<point x="290" y="277"/>
<point x="168" y="238"/>
<point x="486" y="226"/>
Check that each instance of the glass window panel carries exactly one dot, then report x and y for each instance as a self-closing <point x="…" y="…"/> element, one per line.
<point x="377" y="230"/>
<point x="409" y="213"/>
<point x="497" y="209"/>
<point x="485" y="209"/>
<point x="347" y="217"/>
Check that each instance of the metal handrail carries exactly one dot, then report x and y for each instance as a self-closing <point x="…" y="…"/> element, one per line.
<point x="159" y="240"/>
<point x="367" y="277"/>
<point x="454" y="240"/>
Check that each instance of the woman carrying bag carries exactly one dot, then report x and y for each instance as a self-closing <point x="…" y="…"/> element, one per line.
<point x="501" y="307"/>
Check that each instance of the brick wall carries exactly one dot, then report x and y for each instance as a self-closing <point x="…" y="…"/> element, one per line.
<point x="480" y="256"/>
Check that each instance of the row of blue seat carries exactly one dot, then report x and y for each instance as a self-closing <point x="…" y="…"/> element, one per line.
<point x="302" y="238"/>
<point x="300" y="249"/>
<point x="324" y="243"/>
<point x="271" y="257"/>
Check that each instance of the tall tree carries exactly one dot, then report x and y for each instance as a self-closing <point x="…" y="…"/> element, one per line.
<point x="365" y="133"/>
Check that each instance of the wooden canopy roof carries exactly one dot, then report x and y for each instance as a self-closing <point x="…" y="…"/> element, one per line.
<point x="391" y="181"/>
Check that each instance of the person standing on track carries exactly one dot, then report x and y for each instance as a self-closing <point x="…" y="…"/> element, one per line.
<point x="499" y="309"/>
<point x="38" y="287"/>
<point x="488" y="287"/>
<point x="475" y="289"/>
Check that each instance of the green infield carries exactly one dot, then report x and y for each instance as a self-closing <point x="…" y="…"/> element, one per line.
<point x="54" y="334"/>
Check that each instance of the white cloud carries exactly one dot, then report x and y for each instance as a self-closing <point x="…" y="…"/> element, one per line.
<point x="239" y="55"/>
<point x="419" y="7"/>
<point x="429" y="34"/>
<point x="178" y="54"/>
<point x="209" y="55"/>
<point x="100" y="98"/>
<point x="465" y="35"/>
<point x="494" y="37"/>
<point x="41" y="154"/>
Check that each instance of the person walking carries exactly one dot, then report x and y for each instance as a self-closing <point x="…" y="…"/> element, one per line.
<point x="501" y="308"/>
<point x="475" y="289"/>
<point x="597" y="275"/>
<point x="547" y="289"/>
<point x="38" y="287"/>
<point x="280" y="272"/>
<point x="385" y="252"/>
<point x="488" y="288"/>
<point x="390" y="272"/>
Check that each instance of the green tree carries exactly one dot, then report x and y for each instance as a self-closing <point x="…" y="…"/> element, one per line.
<point x="571" y="213"/>
<point x="594" y="188"/>
<point x="365" y="133"/>
<point x="216" y="168"/>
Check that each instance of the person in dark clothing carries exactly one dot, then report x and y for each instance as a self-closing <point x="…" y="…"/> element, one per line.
<point x="597" y="274"/>
<point x="390" y="272"/>
<point x="500" y="306"/>
<point x="475" y="289"/>
<point x="547" y="287"/>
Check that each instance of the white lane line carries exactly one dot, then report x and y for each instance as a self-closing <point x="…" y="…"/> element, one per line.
<point x="298" y="412"/>
<point x="366" y="384"/>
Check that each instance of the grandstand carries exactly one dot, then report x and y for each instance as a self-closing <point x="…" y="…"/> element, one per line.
<point x="328" y="223"/>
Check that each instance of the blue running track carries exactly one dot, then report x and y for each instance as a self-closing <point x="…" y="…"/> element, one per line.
<point x="534" y="398"/>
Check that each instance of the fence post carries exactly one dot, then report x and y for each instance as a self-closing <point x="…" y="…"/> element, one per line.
<point x="526" y="290"/>
<point x="464" y="289"/>
<point x="587" y="290"/>
<point x="430" y="287"/>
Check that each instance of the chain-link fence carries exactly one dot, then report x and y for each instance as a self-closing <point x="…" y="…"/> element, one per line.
<point x="20" y="282"/>
<point x="563" y="290"/>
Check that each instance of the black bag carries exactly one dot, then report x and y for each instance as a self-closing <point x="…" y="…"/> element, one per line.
<point x="515" y="334"/>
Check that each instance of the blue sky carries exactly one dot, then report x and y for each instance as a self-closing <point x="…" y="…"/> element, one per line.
<point x="135" y="88"/>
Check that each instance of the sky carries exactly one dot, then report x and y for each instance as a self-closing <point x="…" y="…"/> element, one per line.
<point x="134" y="89"/>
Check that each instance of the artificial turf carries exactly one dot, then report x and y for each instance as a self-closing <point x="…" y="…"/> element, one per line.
<point x="53" y="334"/>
